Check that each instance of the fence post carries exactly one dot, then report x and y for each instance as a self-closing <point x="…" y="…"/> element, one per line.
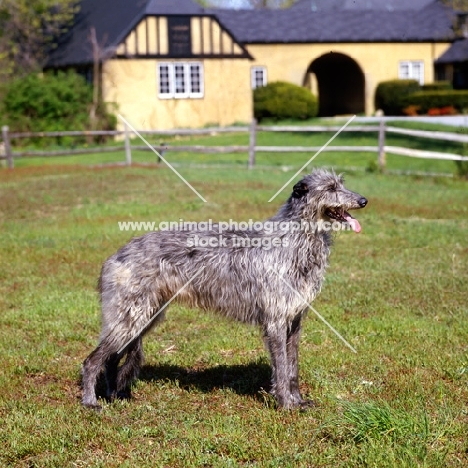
<point x="252" y="143"/>
<point x="161" y="152"/>
<point x="382" y="157"/>
<point x="128" y="148"/>
<point x="6" y="141"/>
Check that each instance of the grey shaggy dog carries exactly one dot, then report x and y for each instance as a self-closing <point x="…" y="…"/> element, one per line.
<point x="245" y="281"/>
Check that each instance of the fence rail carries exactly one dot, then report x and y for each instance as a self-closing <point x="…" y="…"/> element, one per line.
<point x="381" y="149"/>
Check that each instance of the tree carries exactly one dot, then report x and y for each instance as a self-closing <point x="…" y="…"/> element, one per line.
<point x="271" y="3"/>
<point x="28" y="29"/>
<point x="457" y="5"/>
<point x="101" y="53"/>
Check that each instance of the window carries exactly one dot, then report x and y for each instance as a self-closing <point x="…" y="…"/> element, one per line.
<point x="180" y="43"/>
<point x="258" y="77"/>
<point x="180" y="80"/>
<point x="411" y="71"/>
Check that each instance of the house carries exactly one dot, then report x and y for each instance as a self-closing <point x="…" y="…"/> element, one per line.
<point x="172" y="63"/>
<point x="452" y="65"/>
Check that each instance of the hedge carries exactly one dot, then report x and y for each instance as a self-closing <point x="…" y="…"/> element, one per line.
<point x="390" y="96"/>
<point x="437" y="86"/>
<point x="427" y="100"/>
<point x="282" y="100"/>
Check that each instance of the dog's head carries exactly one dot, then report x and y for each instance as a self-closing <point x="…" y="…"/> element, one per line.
<point x="322" y="196"/>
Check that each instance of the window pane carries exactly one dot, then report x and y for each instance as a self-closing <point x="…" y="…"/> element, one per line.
<point x="195" y="79"/>
<point x="179" y="78"/>
<point x="417" y="72"/>
<point x="164" y="80"/>
<point x="404" y="70"/>
<point x="259" y="78"/>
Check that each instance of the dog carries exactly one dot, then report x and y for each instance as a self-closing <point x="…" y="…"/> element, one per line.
<point x="264" y="277"/>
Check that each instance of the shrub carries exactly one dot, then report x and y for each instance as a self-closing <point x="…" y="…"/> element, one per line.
<point x="437" y="86"/>
<point x="390" y="95"/>
<point x="52" y="102"/>
<point x="438" y="102"/>
<point x="281" y="100"/>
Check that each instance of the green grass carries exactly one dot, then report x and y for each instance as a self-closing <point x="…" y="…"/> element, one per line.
<point x="397" y="292"/>
<point x="429" y="126"/>
<point x="341" y="160"/>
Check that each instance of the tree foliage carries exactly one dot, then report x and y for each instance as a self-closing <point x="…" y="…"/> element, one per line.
<point x="28" y="29"/>
<point x="51" y="102"/>
<point x="457" y="5"/>
<point x="271" y="3"/>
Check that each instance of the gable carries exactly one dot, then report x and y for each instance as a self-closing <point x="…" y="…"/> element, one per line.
<point x="180" y="36"/>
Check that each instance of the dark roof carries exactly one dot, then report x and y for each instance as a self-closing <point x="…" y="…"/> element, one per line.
<point x="343" y="21"/>
<point x="173" y="7"/>
<point x="112" y="19"/>
<point x="374" y="5"/>
<point x="312" y="21"/>
<point x="457" y="52"/>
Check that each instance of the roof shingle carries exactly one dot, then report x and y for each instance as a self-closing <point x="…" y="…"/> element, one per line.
<point x="342" y="21"/>
<point x="457" y="52"/>
<point x="308" y="21"/>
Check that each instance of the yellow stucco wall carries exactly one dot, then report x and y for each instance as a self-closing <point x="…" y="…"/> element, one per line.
<point x="133" y="85"/>
<point x="379" y="62"/>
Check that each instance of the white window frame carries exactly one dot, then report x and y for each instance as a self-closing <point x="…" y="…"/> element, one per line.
<point x="253" y="77"/>
<point x="410" y="66"/>
<point x="184" y="69"/>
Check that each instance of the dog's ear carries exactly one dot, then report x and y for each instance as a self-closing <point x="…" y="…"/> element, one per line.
<point x="300" y="189"/>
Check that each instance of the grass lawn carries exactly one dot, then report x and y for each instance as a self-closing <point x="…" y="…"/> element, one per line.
<point x="396" y="292"/>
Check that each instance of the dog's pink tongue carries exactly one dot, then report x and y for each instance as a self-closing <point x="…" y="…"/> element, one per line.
<point x="353" y="222"/>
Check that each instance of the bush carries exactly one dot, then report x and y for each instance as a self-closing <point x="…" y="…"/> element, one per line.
<point x="281" y="100"/>
<point x="390" y="95"/>
<point x="442" y="101"/>
<point x="437" y="86"/>
<point x="52" y="102"/>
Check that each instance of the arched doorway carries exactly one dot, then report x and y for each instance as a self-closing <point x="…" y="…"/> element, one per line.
<point x="341" y="84"/>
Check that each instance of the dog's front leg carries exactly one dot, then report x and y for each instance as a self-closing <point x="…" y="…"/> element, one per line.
<point x="275" y="339"/>
<point x="292" y="347"/>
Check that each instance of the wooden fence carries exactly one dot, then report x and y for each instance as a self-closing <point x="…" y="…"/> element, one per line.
<point x="7" y="153"/>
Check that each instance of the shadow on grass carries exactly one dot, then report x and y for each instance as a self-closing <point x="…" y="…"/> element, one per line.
<point x="245" y="379"/>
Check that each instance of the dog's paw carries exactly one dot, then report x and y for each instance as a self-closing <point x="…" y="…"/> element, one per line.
<point x="91" y="404"/>
<point x="124" y="394"/>
<point x="304" y="405"/>
<point x="94" y="407"/>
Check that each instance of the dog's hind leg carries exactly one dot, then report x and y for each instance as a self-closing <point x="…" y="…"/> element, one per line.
<point x="130" y="368"/>
<point x="111" y="371"/>
<point x="135" y="357"/>
<point x="292" y="346"/>
<point x="91" y="369"/>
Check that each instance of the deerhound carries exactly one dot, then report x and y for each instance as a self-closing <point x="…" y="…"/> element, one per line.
<point x="268" y="283"/>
